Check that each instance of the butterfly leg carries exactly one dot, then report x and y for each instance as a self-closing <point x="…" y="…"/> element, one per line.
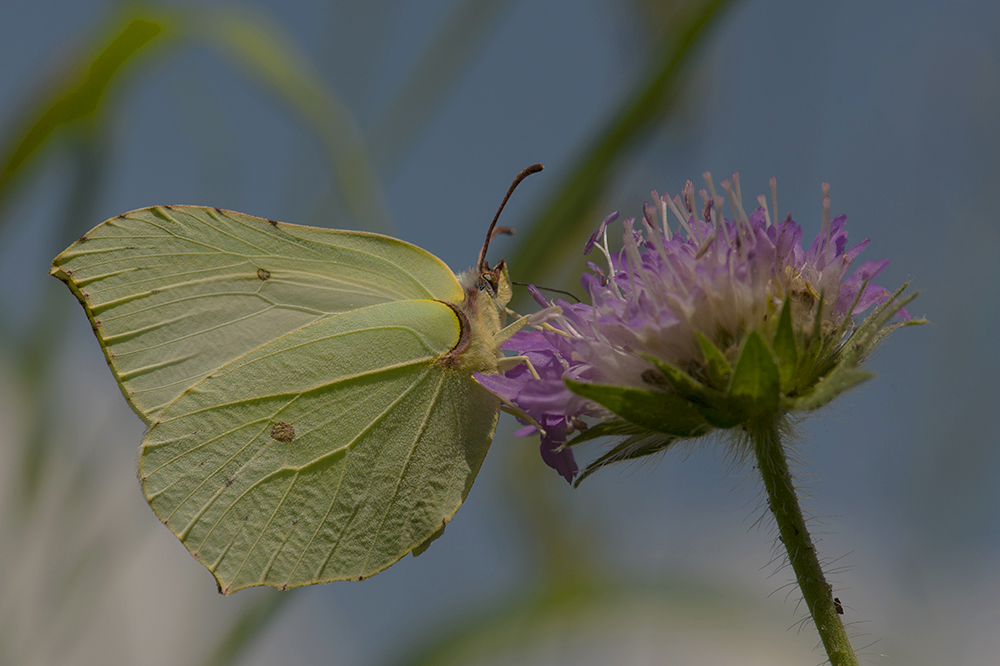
<point x="507" y="331"/>
<point x="508" y="362"/>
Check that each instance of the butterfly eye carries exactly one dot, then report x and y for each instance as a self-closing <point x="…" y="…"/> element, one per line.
<point x="489" y="282"/>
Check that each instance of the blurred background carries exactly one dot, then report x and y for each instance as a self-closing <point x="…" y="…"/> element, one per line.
<point x="411" y="118"/>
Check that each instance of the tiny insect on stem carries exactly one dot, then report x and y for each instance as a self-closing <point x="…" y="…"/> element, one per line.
<point x="527" y="171"/>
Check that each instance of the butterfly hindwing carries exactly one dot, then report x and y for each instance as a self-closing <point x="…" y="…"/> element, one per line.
<point x="326" y="454"/>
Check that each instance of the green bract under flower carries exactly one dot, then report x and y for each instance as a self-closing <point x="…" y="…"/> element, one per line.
<point x="701" y="328"/>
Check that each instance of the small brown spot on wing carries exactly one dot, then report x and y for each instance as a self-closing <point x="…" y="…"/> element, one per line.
<point x="273" y="223"/>
<point x="263" y="274"/>
<point x="169" y="207"/>
<point x="282" y="432"/>
<point x="219" y="211"/>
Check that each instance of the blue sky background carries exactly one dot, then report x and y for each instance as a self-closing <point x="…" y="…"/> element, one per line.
<point x="894" y="103"/>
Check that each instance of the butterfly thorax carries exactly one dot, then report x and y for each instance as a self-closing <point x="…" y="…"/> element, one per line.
<point x="482" y="314"/>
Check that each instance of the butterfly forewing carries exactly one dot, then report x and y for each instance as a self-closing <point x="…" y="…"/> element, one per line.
<point x="327" y="454"/>
<point x="176" y="293"/>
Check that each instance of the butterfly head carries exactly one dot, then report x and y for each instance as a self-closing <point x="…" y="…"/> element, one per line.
<point x="487" y="290"/>
<point x="495" y="282"/>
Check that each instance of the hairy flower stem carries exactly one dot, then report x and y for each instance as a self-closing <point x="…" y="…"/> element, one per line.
<point x="784" y="505"/>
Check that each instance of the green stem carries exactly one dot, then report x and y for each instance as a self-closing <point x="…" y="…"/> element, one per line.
<point x="784" y="505"/>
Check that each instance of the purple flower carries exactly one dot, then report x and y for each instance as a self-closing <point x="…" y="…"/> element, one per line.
<point x="672" y="312"/>
<point x="547" y="397"/>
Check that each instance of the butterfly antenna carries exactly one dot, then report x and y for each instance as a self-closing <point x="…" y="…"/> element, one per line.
<point x="557" y="291"/>
<point x="534" y="168"/>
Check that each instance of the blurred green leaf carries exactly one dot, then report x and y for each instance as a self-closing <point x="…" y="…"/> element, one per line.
<point x="574" y="609"/>
<point x="567" y="215"/>
<point x="412" y="106"/>
<point x="268" y="56"/>
<point x="34" y="354"/>
<point x="75" y="93"/>
<point x="450" y="54"/>
<point x="81" y="92"/>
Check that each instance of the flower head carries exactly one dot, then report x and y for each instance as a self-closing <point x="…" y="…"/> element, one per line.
<point x="698" y="328"/>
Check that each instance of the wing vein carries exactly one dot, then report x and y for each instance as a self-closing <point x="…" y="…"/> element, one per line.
<point x="417" y="380"/>
<point x="406" y="466"/>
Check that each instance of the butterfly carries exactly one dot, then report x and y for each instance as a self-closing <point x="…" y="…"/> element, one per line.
<point x="309" y="393"/>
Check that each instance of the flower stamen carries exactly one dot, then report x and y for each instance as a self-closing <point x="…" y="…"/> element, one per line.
<point x="762" y="202"/>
